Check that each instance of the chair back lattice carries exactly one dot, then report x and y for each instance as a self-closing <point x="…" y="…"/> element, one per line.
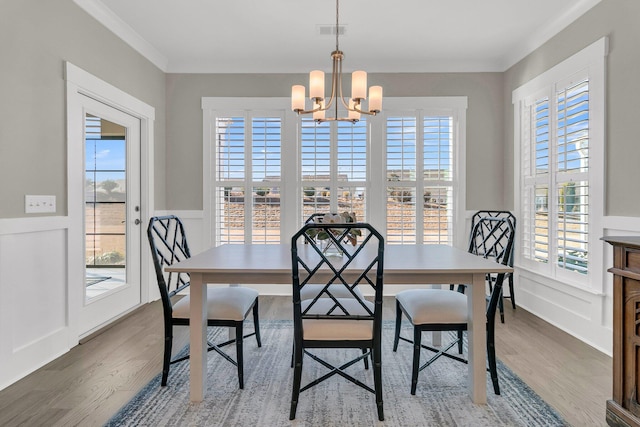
<point x="314" y="217"/>
<point x="493" y="238"/>
<point x="360" y="265"/>
<point x="168" y="243"/>
<point x="496" y="214"/>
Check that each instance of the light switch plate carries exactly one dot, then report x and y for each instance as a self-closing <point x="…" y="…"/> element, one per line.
<point x="39" y="204"/>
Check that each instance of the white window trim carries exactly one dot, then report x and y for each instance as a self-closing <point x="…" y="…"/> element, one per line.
<point x="590" y="60"/>
<point x="376" y="185"/>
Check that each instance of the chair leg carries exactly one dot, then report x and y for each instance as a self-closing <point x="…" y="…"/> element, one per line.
<point x="377" y="378"/>
<point x="460" y="343"/>
<point x="398" y="325"/>
<point x="366" y="359"/>
<point x="417" y="338"/>
<point x="168" y="344"/>
<point x="501" y="307"/>
<point x="491" y="357"/>
<point x="293" y="353"/>
<point x="297" y="378"/>
<point x="239" y="358"/>
<point x="513" y="298"/>
<point x="256" y="323"/>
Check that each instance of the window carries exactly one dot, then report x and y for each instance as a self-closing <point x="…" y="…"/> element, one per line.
<point x="248" y="178"/>
<point x="420" y="178"/>
<point x="105" y="193"/>
<point x="334" y="167"/>
<point x="559" y="135"/>
<point x="266" y="170"/>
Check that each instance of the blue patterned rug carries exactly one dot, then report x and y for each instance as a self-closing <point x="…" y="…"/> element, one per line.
<point x="441" y="398"/>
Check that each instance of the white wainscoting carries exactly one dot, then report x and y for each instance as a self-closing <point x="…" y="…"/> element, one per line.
<point x="34" y="325"/>
<point x="582" y="313"/>
<point x="34" y="314"/>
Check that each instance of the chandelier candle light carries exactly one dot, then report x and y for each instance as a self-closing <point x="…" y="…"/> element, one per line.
<point x="316" y="91"/>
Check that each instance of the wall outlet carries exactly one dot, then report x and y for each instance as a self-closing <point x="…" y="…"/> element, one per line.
<point x="39" y="204"/>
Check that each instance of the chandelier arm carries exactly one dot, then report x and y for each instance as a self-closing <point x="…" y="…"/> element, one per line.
<point x="337" y="119"/>
<point x="306" y="111"/>
<point x="370" y="113"/>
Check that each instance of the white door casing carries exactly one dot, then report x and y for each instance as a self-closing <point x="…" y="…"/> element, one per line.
<point x="83" y="92"/>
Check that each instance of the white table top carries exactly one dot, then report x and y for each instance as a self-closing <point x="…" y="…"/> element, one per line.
<point x="274" y="262"/>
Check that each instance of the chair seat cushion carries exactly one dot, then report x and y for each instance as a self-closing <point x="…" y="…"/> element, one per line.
<point x="337" y="330"/>
<point x="230" y="303"/>
<point x="310" y="291"/>
<point x="432" y="306"/>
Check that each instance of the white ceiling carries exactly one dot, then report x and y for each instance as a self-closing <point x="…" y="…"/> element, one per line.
<point x="281" y="36"/>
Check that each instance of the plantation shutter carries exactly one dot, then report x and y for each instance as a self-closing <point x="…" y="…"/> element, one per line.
<point x="420" y="178"/>
<point x="535" y="166"/>
<point x="438" y="179"/>
<point x="247" y="182"/>
<point x="334" y="167"/>
<point x="572" y="179"/>
<point x="401" y="179"/>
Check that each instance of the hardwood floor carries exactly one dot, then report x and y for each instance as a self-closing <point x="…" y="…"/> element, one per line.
<point x="90" y="383"/>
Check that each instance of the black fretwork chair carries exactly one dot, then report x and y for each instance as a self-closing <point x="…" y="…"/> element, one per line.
<point x="446" y="310"/>
<point x="509" y="276"/>
<point x="335" y="322"/>
<point x="226" y="307"/>
<point x="313" y="290"/>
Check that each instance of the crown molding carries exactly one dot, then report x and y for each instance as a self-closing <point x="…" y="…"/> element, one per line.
<point x="544" y="34"/>
<point x="116" y="25"/>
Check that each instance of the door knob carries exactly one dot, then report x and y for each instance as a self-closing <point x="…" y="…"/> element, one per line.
<point x="137" y="221"/>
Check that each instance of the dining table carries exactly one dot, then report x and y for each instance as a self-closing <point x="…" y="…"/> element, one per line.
<point x="404" y="264"/>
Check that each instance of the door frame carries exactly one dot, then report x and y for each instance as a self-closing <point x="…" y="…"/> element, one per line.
<point x="80" y="83"/>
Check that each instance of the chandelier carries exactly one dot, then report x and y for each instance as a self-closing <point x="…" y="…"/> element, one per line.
<point x="321" y="105"/>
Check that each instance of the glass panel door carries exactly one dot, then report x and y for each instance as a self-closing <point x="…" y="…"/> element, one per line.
<point x="105" y="205"/>
<point x="112" y="223"/>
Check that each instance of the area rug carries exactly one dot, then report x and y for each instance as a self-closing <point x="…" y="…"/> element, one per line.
<point x="441" y="398"/>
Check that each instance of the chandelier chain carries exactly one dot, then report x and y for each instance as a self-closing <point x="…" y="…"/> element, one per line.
<point x="337" y="25"/>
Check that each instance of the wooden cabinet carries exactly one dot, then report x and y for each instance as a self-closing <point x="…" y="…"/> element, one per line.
<point x="624" y="408"/>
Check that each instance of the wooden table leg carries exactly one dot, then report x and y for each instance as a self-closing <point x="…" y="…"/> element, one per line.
<point x="436" y="336"/>
<point x="198" y="338"/>
<point x="477" y="335"/>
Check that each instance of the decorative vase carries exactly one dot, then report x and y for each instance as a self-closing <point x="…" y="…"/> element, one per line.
<point x="330" y="249"/>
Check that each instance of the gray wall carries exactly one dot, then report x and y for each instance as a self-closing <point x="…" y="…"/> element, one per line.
<point x="36" y="37"/>
<point x="618" y="19"/>
<point x="485" y="115"/>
